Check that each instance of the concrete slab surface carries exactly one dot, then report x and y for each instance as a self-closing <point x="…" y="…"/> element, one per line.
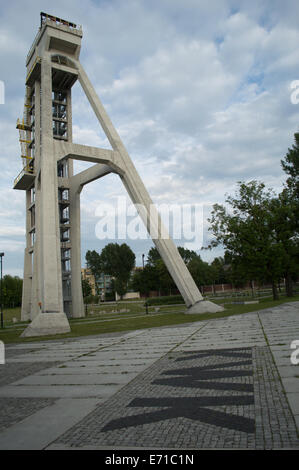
<point x="29" y="434"/>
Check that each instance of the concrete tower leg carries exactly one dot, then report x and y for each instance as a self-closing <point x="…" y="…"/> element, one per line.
<point x="36" y="280"/>
<point x="27" y="279"/>
<point x="139" y="195"/>
<point x="27" y="284"/>
<point x="51" y="319"/>
<point x="77" y="297"/>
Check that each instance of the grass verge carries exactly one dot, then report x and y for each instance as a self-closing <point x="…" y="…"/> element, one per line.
<point x="94" y="325"/>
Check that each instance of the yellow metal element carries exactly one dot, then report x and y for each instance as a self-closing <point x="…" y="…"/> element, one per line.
<point x="24" y="128"/>
<point x="22" y="125"/>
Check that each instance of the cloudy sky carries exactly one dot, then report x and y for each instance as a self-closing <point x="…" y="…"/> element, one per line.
<point x="199" y="91"/>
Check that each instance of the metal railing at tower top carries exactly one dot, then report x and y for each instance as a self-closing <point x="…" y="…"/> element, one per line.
<point x="45" y="16"/>
<point x="51" y="20"/>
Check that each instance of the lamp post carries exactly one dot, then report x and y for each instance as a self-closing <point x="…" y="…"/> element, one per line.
<point x="1" y="302"/>
<point x="143" y="261"/>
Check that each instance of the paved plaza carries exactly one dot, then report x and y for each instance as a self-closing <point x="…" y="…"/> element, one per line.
<point x="217" y="384"/>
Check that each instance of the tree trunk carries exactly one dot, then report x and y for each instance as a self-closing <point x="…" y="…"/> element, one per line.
<point x="289" y="285"/>
<point x="274" y="291"/>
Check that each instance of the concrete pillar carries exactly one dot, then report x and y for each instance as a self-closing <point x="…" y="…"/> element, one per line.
<point x="27" y="278"/>
<point x="50" y="253"/>
<point x="36" y="279"/>
<point x="27" y="284"/>
<point x="51" y="319"/>
<point x="75" y="233"/>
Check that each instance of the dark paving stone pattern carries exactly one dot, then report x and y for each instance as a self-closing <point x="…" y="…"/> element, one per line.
<point x="228" y="398"/>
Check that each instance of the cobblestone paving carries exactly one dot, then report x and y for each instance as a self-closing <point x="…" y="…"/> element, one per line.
<point x="13" y="410"/>
<point x="228" y="398"/>
<point x="274" y="422"/>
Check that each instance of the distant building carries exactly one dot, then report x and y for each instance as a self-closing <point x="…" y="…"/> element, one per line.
<point x="100" y="286"/>
<point x="88" y="276"/>
<point x="104" y="285"/>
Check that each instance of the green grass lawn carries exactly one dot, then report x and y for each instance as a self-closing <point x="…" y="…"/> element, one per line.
<point x="100" y="323"/>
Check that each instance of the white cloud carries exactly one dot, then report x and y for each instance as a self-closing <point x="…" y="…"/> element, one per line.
<point x="10" y="230"/>
<point x="198" y="91"/>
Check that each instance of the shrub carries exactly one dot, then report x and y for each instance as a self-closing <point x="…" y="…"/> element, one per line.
<point x="165" y="300"/>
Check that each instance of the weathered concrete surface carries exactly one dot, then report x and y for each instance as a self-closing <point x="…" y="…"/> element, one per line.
<point x="50" y="323"/>
<point x="204" y="306"/>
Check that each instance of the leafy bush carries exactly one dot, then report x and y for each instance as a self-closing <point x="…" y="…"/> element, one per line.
<point x="91" y="299"/>
<point x="165" y="300"/>
<point x="109" y="296"/>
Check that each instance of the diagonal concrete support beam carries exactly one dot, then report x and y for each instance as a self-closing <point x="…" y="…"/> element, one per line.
<point x="145" y="206"/>
<point x="91" y="174"/>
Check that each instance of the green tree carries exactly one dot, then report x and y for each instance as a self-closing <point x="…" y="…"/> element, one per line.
<point x="93" y="262"/>
<point x="287" y="213"/>
<point x="12" y="290"/>
<point x="152" y="256"/>
<point x="166" y="283"/>
<point x="290" y="165"/>
<point x="234" y="273"/>
<point x="159" y="275"/>
<point x="118" y="261"/>
<point x="145" y="280"/>
<point x="187" y="255"/>
<point x="218" y="266"/>
<point x="86" y="288"/>
<point x="248" y="235"/>
<point x="202" y="272"/>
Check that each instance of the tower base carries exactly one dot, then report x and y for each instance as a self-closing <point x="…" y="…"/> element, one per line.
<point x="50" y="323"/>
<point x="204" y="306"/>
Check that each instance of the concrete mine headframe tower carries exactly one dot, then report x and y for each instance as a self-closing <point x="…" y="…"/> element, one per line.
<point x="52" y="268"/>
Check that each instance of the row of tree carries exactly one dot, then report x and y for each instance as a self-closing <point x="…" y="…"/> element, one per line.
<point x="258" y="229"/>
<point x="119" y="261"/>
<point x="11" y="291"/>
<point x="155" y="276"/>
